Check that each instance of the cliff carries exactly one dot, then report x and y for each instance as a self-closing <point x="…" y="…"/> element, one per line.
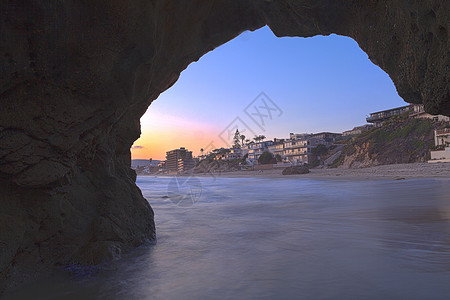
<point x="396" y="142"/>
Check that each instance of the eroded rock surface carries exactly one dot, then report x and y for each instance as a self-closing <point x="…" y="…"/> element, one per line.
<point x="76" y="76"/>
<point x="295" y="170"/>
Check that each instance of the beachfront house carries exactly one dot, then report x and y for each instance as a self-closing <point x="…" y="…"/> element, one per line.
<point x="411" y="111"/>
<point x="357" y="130"/>
<point x="256" y="149"/>
<point x="299" y="151"/>
<point x="442" y="137"/>
<point x="277" y="148"/>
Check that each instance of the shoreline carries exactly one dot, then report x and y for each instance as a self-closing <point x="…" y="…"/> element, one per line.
<point x="382" y="172"/>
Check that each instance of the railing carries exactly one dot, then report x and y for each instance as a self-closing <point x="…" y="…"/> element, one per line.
<point x="295" y="153"/>
<point x="443" y="131"/>
<point x="296" y="146"/>
<point x="388" y="114"/>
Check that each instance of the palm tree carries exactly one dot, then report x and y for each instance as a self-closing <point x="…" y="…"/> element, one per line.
<point x="242" y="139"/>
<point x="259" y="138"/>
<point x="201" y="151"/>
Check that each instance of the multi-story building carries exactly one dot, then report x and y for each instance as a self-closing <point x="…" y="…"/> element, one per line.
<point x="298" y="136"/>
<point x="256" y="149"/>
<point x="219" y="154"/>
<point x="277" y="148"/>
<point x="442" y="137"/>
<point x="299" y="151"/>
<point x="185" y="165"/>
<point x="412" y="111"/>
<point x="357" y="130"/>
<point x="233" y="153"/>
<point x="377" y="118"/>
<point x="179" y="160"/>
<point x="328" y="137"/>
<point x="442" y="140"/>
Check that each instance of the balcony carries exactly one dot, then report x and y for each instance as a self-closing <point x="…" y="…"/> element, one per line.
<point x="445" y="131"/>
<point x="387" y="114"/>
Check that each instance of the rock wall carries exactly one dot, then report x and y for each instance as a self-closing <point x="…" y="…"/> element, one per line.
<point x="76" y="76"/>
<point x="398" y="141"/>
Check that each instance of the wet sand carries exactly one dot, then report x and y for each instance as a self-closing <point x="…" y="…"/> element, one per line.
<point x="398" y="172"/>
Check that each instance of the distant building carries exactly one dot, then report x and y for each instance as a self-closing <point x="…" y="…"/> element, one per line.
<point x="136" y="163"/>
<point x="442" y="141"/>
<point x="298" y="136"/>
<point x="357" y="130"/>
<point x="412" y="111"/>
<point x="328" y="137"/>
<point x="246" y="148"/>
<point x="442" y="137"/>
<point x="277" y="148"/>
<point x="162" y="166"/>
<point x="144" y="166"/>
<point x="299" y="151"/>
<point x="377" y="118"/>
<point x="419" y="112"/>
<point x="179" y="160"/>
<point x="219" y="154"/>
<point x="255" y="150"/>
<point x="185" y="164"/>
<point x="234" y="153"/>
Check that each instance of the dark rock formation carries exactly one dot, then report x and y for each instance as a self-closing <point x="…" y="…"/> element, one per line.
<point x="295" y="170"/>
<point x="76" y="76"/>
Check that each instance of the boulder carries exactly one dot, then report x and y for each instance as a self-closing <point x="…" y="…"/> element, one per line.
<point x="295" y="170"/>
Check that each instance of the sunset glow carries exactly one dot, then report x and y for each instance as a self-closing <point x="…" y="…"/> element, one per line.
<point x="162" y="132"/>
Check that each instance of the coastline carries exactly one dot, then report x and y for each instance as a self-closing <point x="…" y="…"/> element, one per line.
<point x="382" y="172"/>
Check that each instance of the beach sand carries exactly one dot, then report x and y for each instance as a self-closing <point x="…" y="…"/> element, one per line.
<point x="395" y="172"/>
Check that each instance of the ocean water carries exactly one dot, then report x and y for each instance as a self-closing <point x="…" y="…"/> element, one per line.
<point x="279" y="238"/>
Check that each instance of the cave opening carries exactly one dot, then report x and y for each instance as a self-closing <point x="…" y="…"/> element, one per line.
<point x="320" y="84"/>
<point x="75" y="83"/>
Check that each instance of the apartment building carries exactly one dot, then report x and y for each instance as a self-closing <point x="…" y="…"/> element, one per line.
<point x="299" y="151"/>
<point x="277" y="148"/>
<point x="233" y="153"/>
<point x="179" y="160"/>
<point x="255" y="150"/>
<point x="328" y="137"/>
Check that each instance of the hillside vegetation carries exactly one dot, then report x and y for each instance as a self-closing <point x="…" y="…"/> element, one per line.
<point x="397" y="141"/>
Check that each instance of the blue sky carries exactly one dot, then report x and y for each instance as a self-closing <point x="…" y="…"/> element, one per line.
<point x="320" y="84"/>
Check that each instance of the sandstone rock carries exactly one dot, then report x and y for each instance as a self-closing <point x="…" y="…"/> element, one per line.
<point x="295" y="170"/>
<point x="77" y="76"/>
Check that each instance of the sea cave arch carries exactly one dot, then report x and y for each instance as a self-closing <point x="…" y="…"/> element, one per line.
<point x="76" y="77"/>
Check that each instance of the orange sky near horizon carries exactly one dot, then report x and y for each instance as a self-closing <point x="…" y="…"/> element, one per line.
<point x="162" y="132"/>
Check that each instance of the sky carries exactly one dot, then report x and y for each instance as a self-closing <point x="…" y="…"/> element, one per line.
<point x="264" y="85"/>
